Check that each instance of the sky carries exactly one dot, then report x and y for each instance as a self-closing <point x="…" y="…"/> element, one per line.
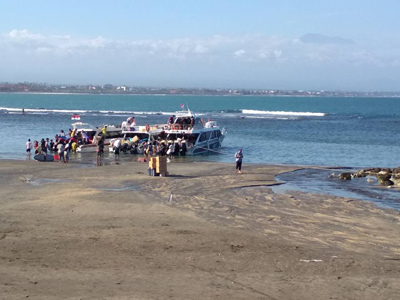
<point x="254" y="44"/>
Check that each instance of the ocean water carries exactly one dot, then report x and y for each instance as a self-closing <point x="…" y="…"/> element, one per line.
<point x="319" y="181"/>
<point x="348" y="132"/>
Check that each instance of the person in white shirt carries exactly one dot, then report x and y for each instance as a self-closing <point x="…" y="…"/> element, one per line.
<point x="85" y="137"/>
<point x="28" y="147"/>
<point x="60" y="149"/>
<point x="117" y="148"/>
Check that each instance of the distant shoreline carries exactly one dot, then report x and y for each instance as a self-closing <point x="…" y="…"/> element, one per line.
<point x="199" y="95"/>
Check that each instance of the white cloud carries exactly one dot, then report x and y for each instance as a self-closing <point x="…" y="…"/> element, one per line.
<point x="240" y="52"/>
<point x="43" y="50"/>
<point x="24" y="34"/>
<point x="252" y="47"/>
<point x="264" y="54"/>
<point x="199" y="48"/>
<point x="98" y="42"/>
<point x="277" y="53"/>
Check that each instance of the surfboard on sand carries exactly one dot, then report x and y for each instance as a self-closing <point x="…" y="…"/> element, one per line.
<point x="40" y="157"/>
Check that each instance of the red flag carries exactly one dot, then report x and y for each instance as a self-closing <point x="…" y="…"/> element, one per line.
<point x="182" y="105"/>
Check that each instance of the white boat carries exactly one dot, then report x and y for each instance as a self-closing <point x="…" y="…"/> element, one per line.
<point x="135" y="134"/>
<point x="112" y="132"/>
<point x="80" y="127"/>
<point x="201" y="137"/>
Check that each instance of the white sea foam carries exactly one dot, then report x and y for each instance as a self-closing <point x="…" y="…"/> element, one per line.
<point x="271" y="117"/>
<point x="80" y="111"/>
<point x="42" y="110"/>
<point x="164" y="113"/>
<point x="282" y="113"/>
<point x="256" y="117"/>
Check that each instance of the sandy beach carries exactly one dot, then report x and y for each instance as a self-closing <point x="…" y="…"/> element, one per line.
<point x="112" y="232"/>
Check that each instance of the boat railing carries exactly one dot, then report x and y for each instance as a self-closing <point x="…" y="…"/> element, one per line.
<point x="179" y="126"/>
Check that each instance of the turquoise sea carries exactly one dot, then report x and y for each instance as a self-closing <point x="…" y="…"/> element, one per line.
<point x="352" y="132"/>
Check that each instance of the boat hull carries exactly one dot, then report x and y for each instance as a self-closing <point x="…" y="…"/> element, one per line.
<point x="210" y="146"/>
<point x="90" y="148"/>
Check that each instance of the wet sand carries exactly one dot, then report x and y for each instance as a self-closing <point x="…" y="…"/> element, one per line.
<point x="112" y="232"/>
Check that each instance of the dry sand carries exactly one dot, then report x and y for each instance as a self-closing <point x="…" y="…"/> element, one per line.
<point x="113" y="232"/>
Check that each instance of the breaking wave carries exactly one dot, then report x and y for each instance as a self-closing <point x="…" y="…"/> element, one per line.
<point x="282" y="113"/>
<point x="225" y="113"/>
<point x="13" y="110"/>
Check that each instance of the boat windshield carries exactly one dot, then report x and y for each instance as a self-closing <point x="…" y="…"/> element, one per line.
<point x="190" y="138"/>
<point x="189" y="121"/>
<point x="84" y="126"/>
<point x="139" y="135"/>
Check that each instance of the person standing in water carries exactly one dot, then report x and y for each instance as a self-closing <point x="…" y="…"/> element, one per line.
<point x="43" y="147"/>
<point x="67" y="150"/>
<point x="117" y="148"/>
<point x="239" y="158"/>
<point x="28" y="147"/>
<point x="60" y="149"/>
<point x="100" y="150"/>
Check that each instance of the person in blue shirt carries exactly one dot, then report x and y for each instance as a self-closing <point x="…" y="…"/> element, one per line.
<point x="239" y="158"/>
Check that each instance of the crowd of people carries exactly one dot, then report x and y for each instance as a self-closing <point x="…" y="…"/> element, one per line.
<point x="159" y="147"/>
<point x="62" y="145"/>
<point x="65" y="143"/>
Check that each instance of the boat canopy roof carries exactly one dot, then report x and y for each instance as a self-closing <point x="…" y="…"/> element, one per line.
<point x="184" y="114"/>
<point x="85" y="126"/>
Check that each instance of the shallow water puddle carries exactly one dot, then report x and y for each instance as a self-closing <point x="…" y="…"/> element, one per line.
<point x="247" y="187"/>
<point x="127" y="188"/>
<point x="320" y="181"/>
<point x="42" y="181"/>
